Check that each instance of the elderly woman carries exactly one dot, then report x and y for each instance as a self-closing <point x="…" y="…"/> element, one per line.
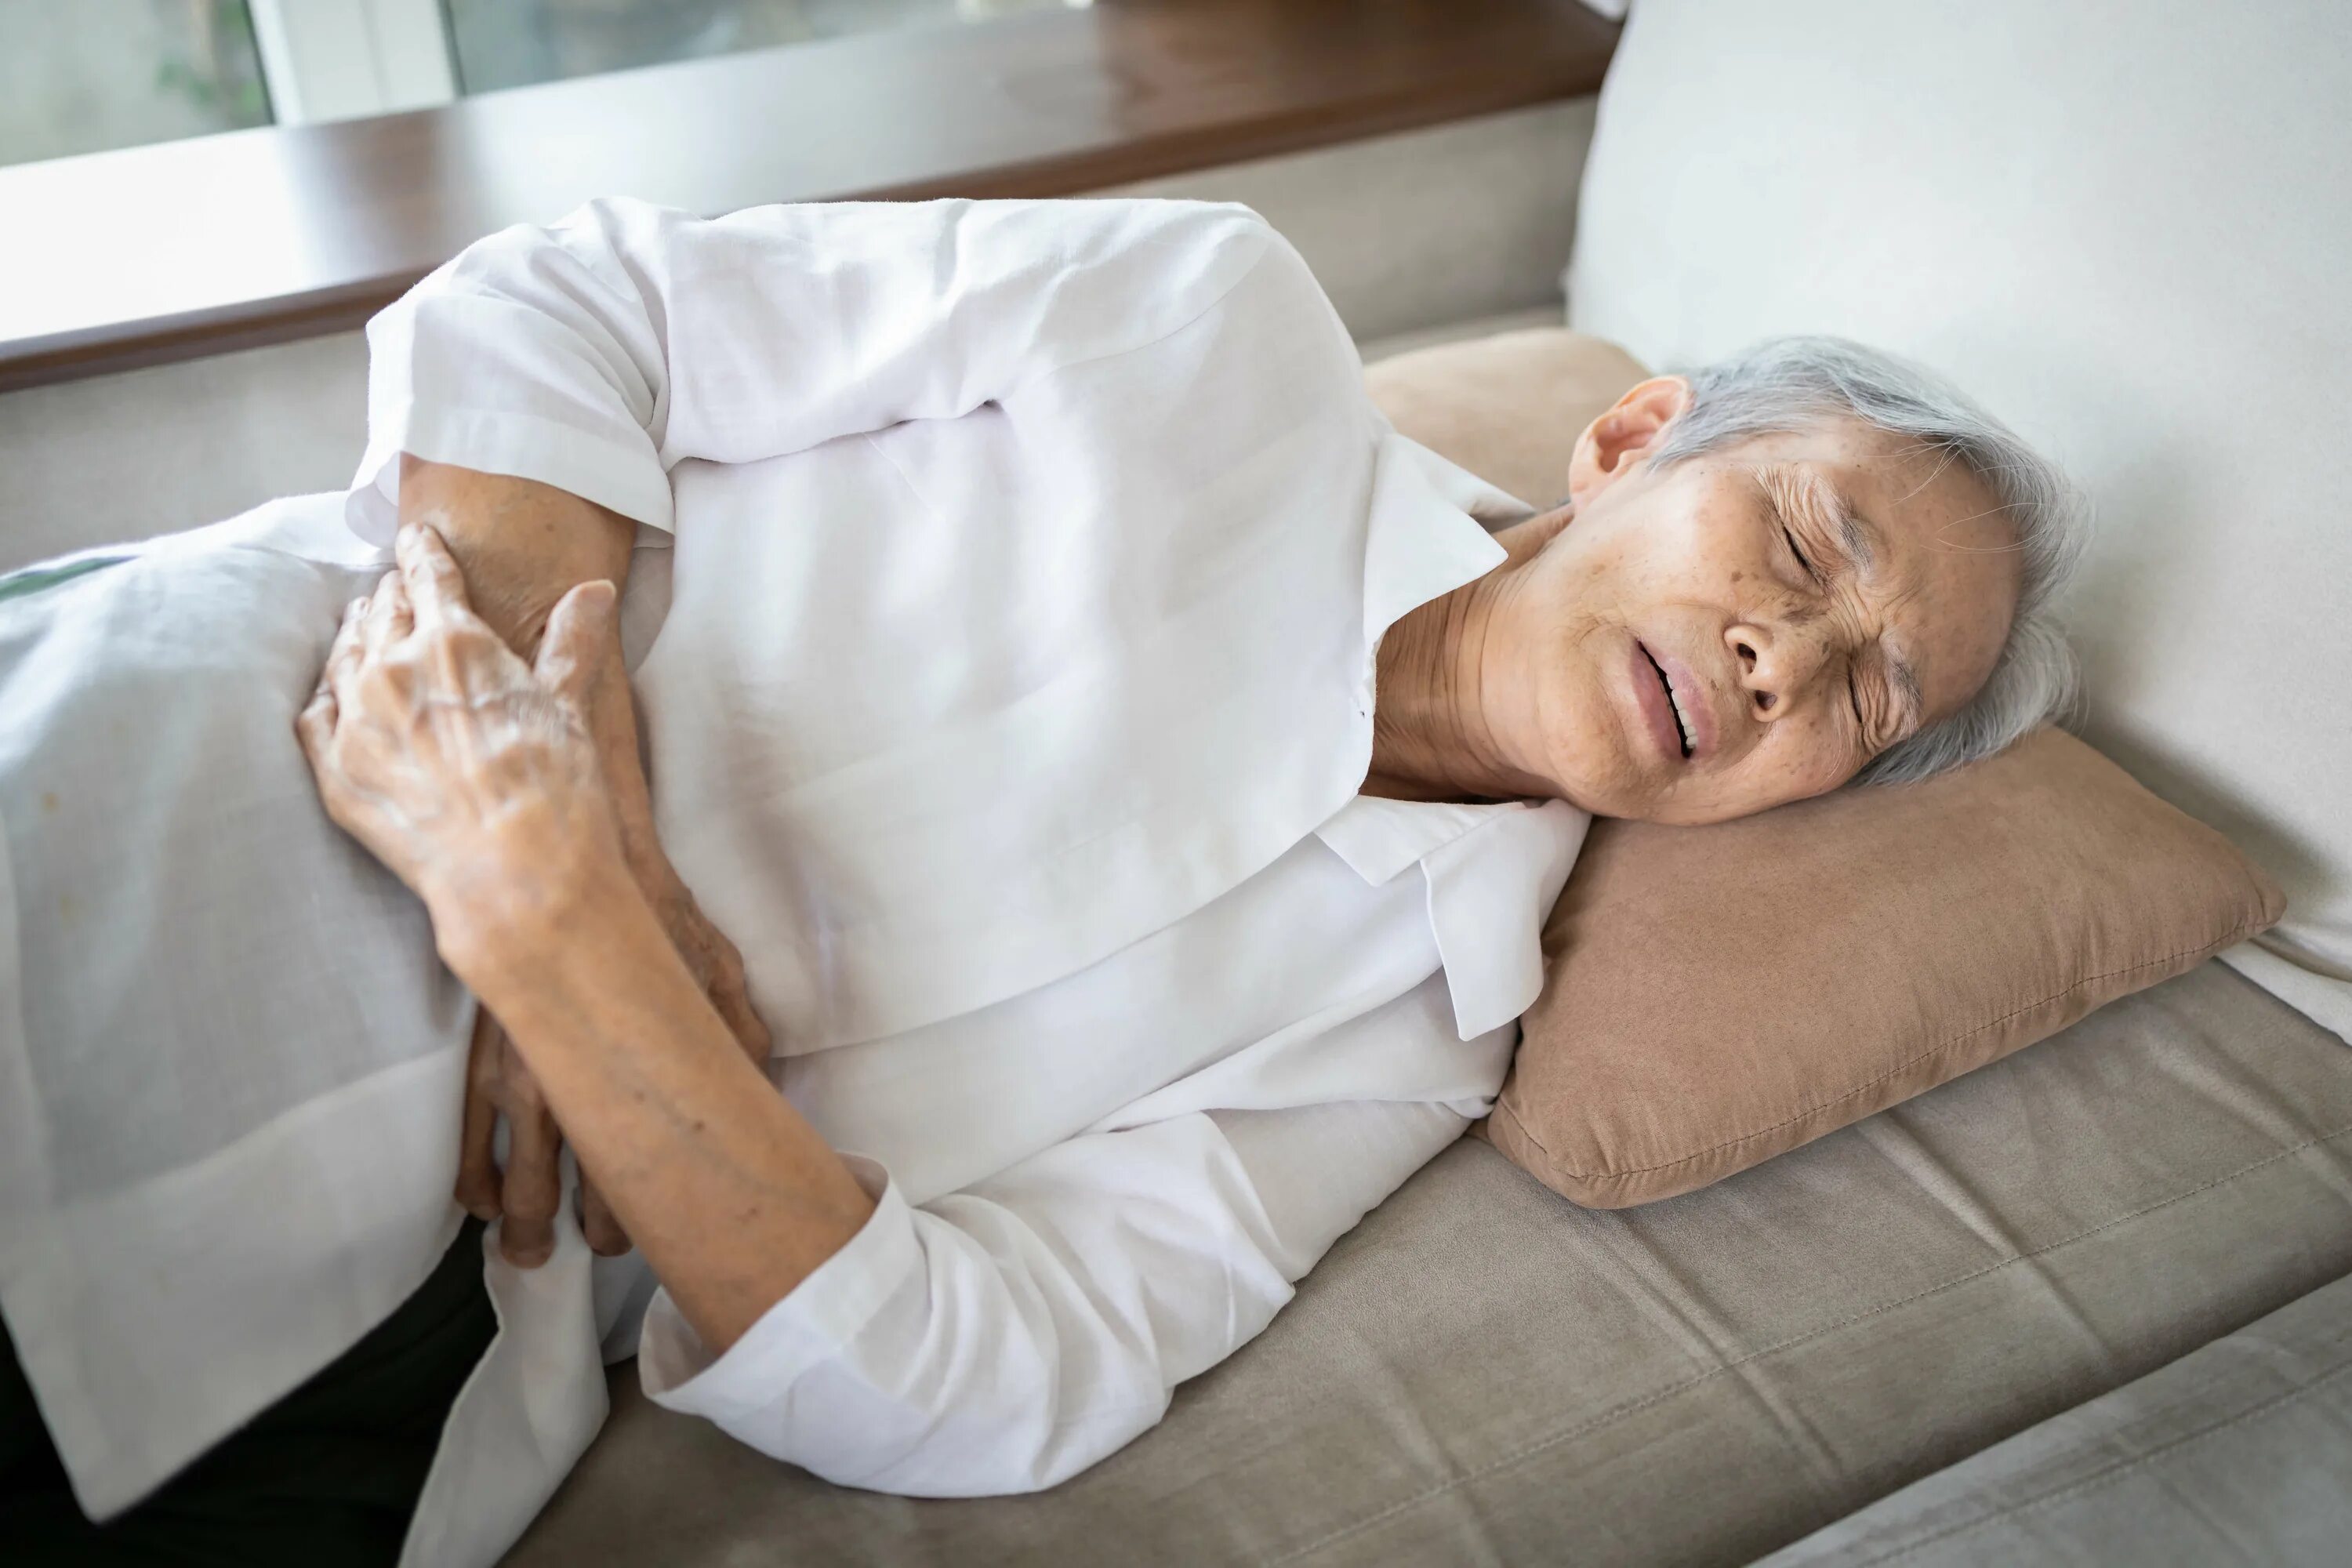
<point x="1134" y="777"/>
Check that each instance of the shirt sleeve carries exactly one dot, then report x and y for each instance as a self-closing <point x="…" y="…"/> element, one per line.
<point x="597" y="353"/>
<point x="1005" y="1338"/>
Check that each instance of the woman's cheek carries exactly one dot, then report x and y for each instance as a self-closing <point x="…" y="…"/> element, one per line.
<point x="1828" y="762"/>
<point x="1800" y="767"/>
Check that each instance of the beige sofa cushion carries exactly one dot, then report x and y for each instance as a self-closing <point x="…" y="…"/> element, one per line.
<point x="1482" y="1372"/>
<point x="1508" y="406"/>
<point x="2125" y="230"/>
<point x="1716" y="995"/>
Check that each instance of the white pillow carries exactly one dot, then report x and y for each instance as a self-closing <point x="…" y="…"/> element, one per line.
<point x="2128" y="230"/>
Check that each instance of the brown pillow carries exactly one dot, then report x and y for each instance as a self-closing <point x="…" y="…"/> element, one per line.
<point x="1716" y="995"/>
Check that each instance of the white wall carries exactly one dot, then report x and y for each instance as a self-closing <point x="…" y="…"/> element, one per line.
<point x="1406" y="232"/>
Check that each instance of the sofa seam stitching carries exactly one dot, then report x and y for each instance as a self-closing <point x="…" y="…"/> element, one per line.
<point x="1608" y="1417"/>
<point x="2203" y="950"/>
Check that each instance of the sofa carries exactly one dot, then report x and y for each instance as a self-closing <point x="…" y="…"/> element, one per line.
<point x="2091" y="1304"/>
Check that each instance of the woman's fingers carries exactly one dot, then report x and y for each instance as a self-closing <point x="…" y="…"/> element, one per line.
<point x="717" y="967"/>
<point x="348" y="652"/>
<point x="580" y="632"/>
<point x="532" y="1187"/>
<point x="527" y="1194"/>
<point x="477" y="1155"/>
<point x="460" y="654"/>
<point x="435" y="586"/>
<point x="729" y="993"/>
<point x="314" y="727"/>
<point x="598" y="1222"/>
<point x="389" y="618"/>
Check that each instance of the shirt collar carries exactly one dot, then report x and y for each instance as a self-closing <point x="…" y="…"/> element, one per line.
<point x="1425" y="536"/>
<point x="1491" y="873"/>
<point x="1379" y="837"/>
<point x="1489" y="892"/>
<point x="1425" y="539"/>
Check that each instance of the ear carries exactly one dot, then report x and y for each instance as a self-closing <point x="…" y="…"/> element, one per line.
<point x="1615" y="443"/>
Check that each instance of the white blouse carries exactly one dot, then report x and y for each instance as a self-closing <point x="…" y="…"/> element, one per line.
<point x="1009" y="709"/>
<point x="1003" y="624"/>
<point x="1267" y="1069"/>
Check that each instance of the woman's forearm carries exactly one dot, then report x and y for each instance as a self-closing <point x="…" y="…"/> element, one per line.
<point x="522" y="545"/>
<point x="731" y="1194"/>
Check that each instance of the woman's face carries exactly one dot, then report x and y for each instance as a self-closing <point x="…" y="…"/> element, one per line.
<point x="1745" y="628"/>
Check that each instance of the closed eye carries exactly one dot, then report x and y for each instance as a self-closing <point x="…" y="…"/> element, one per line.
<point x="1791" y="539"/>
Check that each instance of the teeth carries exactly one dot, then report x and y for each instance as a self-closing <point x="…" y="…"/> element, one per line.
<point x="1675" y="701"/>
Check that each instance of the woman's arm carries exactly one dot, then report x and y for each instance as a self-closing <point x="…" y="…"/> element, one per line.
<point x="732" y="1196"/>
<point x="595" y="354"/>
<point x="520" y="547"/>
<point x="474" y="777"/>
<point x="1004" y="1338"/>
<point x="997" y="1340"/>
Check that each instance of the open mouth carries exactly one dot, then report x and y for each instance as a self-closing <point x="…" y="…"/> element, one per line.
<point x="1674" y="702"/>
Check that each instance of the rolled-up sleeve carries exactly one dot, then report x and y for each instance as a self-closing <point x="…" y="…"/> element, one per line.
<point x="596" y="353"/>
<point x="1004" y="1338"/>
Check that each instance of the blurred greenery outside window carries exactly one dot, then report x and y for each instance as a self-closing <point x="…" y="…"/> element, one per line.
<point x="513" y="42"/>
<point x="85" y="76"/>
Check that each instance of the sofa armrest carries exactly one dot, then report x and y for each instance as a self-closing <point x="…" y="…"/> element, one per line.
<point x="2238" y="1452"/>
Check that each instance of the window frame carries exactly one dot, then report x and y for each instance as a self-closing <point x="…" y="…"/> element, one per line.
<point x="343" y="60"/>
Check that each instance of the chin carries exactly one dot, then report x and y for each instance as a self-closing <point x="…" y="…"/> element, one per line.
<point x="1661" y="802"/>
<point x="1623" y="801"/>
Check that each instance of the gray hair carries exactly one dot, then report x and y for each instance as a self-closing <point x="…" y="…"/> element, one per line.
<point x="1791" y="384"/>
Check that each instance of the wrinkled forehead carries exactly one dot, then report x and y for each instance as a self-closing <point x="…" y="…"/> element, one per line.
<point x="1907" y="492"/>
<point x="1935" y="546"/>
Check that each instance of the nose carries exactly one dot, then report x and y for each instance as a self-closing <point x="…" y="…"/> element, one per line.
<point x="1776" y="665"/>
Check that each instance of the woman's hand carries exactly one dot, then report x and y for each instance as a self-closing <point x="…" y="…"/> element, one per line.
<point x="477" y="780"/>
<point x="579" y="684"/>
<point x="475" y="777"/>
<point x="527" y="1192"/>
<point x="470" y="775"/>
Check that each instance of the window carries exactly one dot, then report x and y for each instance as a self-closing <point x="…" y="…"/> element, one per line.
<point x="89" y="75"/>
<point x="511" y="43"/>
<point x="82" y="76"/>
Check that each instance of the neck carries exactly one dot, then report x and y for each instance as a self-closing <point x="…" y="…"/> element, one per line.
<point x="1430" y="736"/>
